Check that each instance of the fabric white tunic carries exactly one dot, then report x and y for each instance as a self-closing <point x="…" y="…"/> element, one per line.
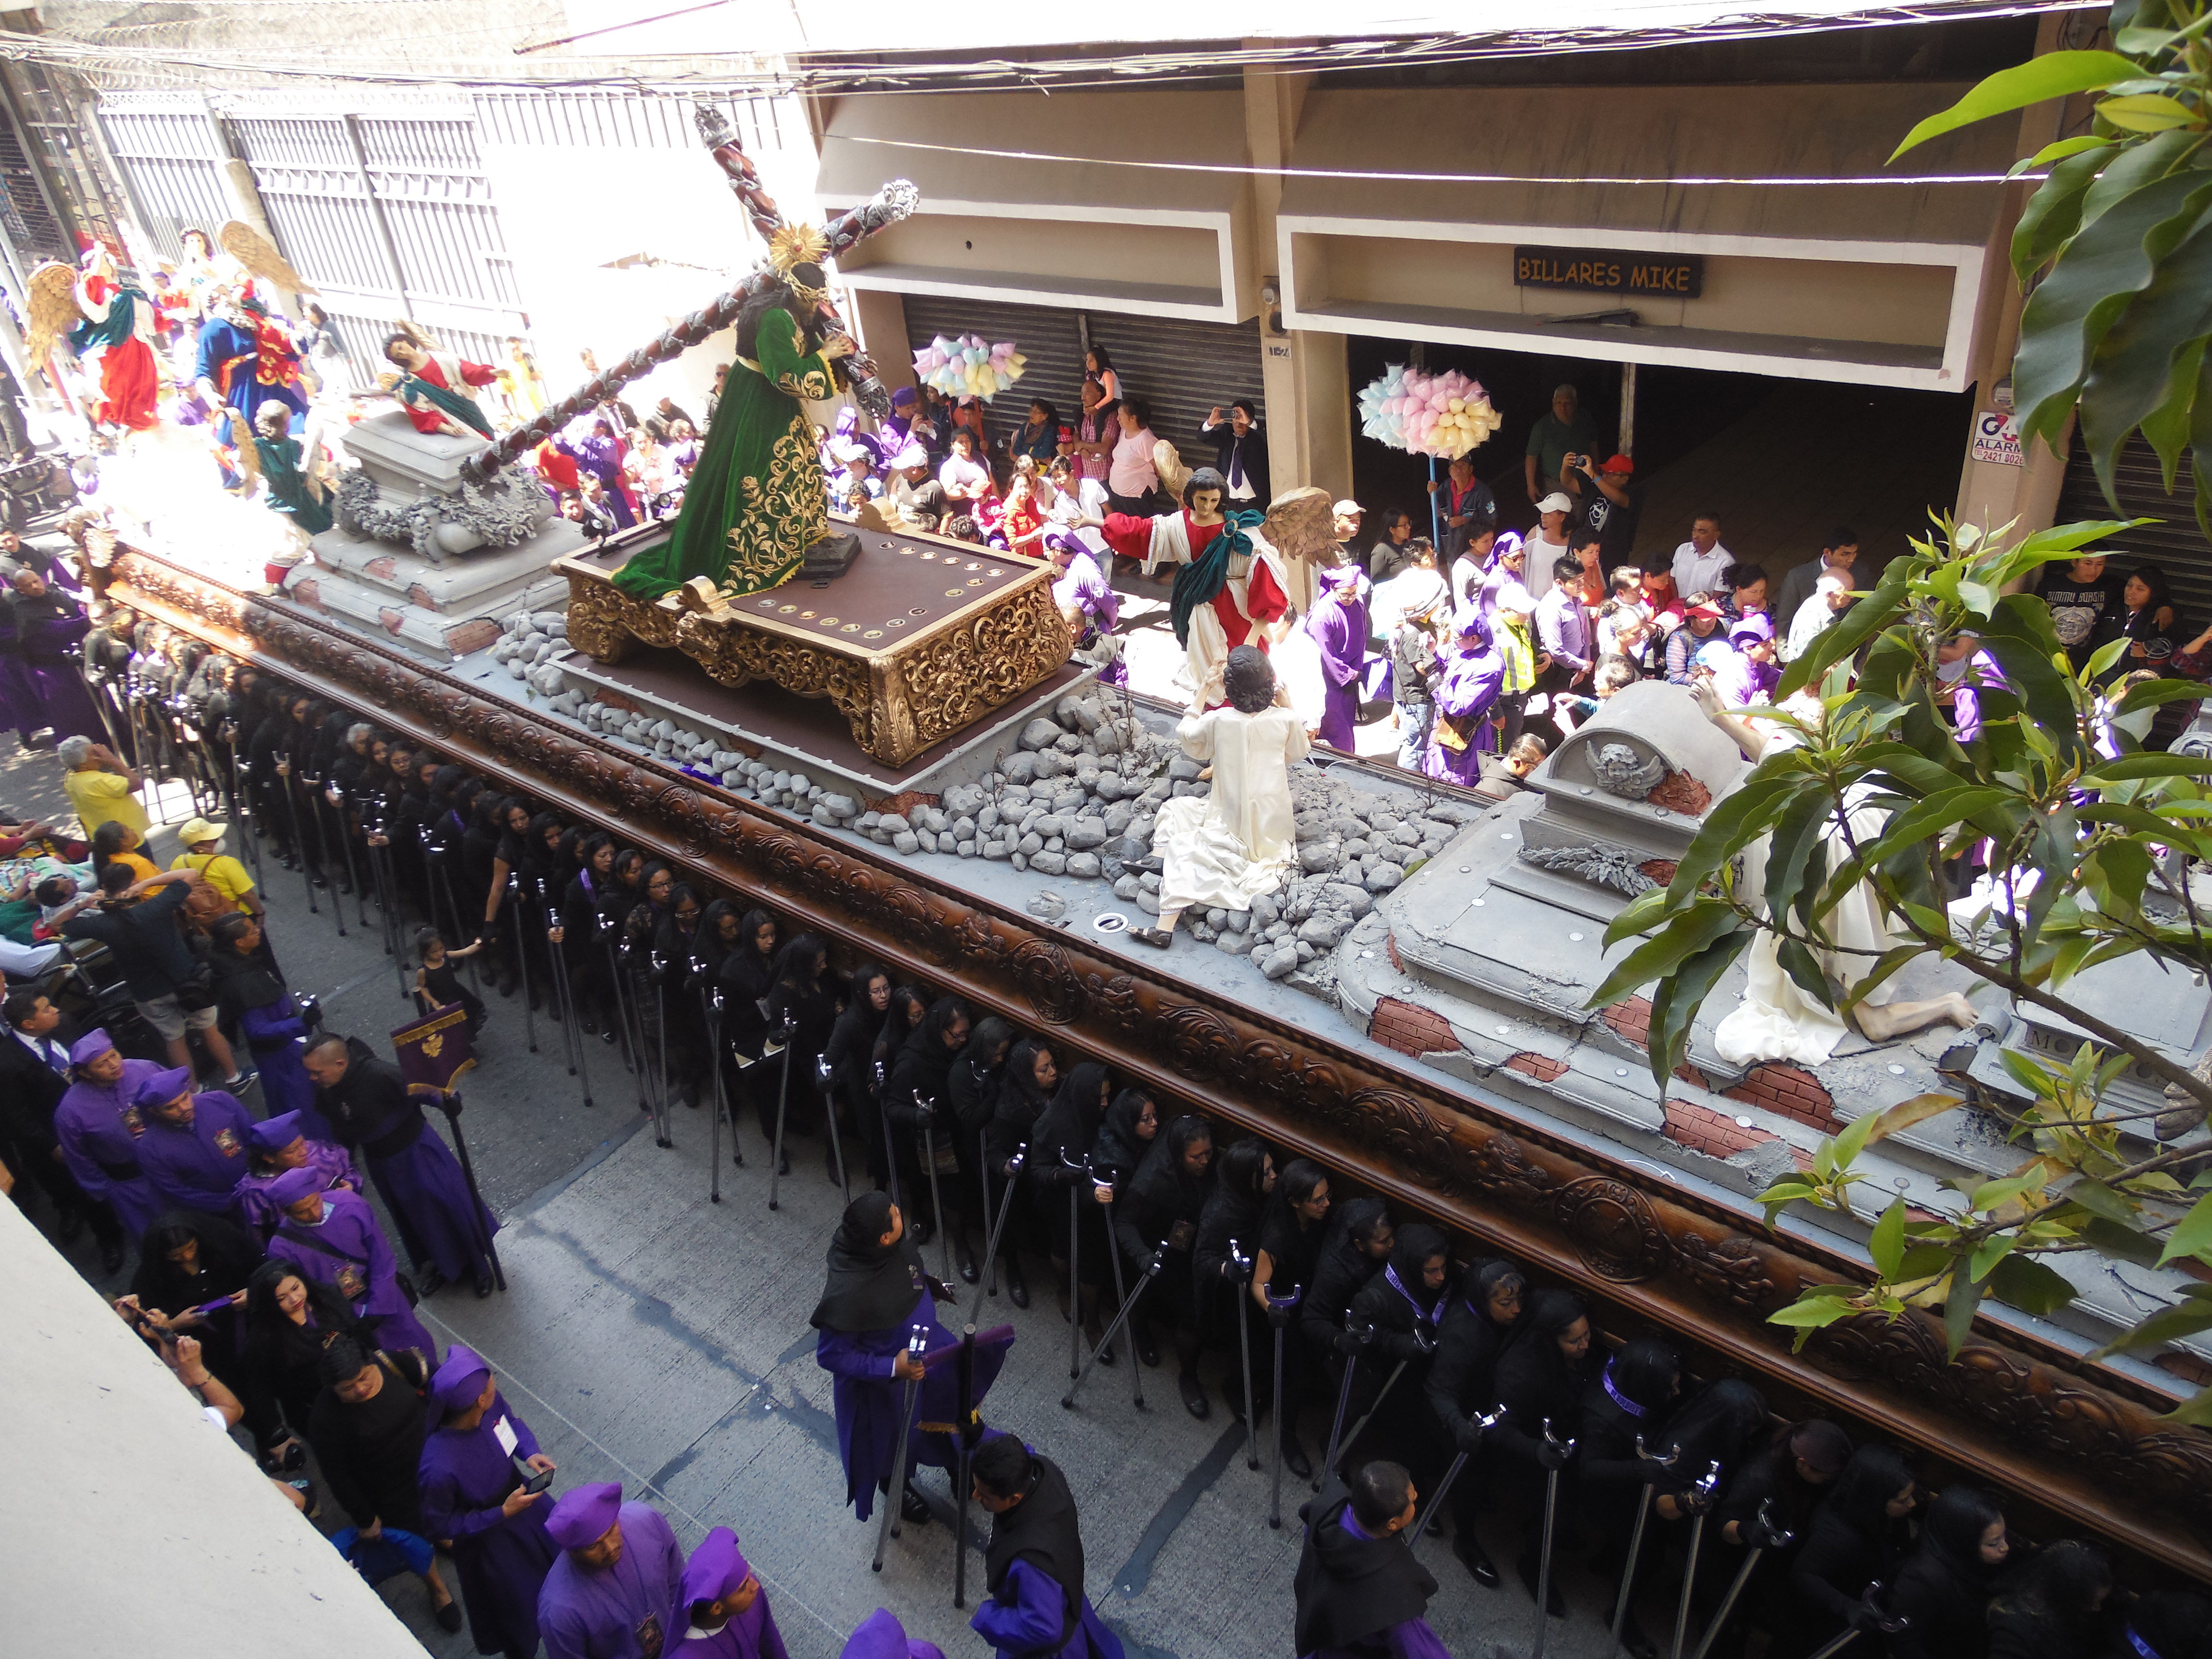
<point x="1776" y="1020"/>
<point x="1241" y="841"/>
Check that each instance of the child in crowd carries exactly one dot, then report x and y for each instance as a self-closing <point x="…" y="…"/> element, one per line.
<point x="436" y="983"/>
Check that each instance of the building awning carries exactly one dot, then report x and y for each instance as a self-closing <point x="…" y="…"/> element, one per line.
<point x="1145" y="240"/>
<point x="1873" y="282"/>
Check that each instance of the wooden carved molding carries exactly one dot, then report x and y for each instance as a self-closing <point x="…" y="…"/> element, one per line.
<point x="2078" y="1446"/>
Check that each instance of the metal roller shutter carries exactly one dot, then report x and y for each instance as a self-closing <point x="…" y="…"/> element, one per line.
<point x="2175" y="545"/>
<point x="1181" y="368"/>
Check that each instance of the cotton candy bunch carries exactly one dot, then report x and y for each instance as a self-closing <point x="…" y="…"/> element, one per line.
<point x="969" y="367"/>
<point x="1442" y="415"/>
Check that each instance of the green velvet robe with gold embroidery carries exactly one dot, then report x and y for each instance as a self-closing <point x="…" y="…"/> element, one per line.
<point x="756" y="501"/>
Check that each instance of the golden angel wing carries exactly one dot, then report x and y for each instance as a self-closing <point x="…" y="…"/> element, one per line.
<point x="242" y="437"/>
<point x="259" y="256"/>
<point x="54" y="309"/>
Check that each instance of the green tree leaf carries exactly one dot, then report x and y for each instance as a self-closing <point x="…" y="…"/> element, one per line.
<point x="1959" y="1308"/>
<point x="2022" y="1282"/>
<point x="2192" y="1235"/>
<point x="2192" y="1314"/>
<point x="1886" y="1244"/>
<point x="1677" y="1002"/>
<point x="2054" y="75"/>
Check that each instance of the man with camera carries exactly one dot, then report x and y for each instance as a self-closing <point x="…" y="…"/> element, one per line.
<point x="1607" y="504"/>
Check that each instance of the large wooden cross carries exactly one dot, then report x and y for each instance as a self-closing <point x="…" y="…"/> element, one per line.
<point x="891" y="203"/>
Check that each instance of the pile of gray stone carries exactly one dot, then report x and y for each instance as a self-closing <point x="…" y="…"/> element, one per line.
<point x="1077" y="796"/>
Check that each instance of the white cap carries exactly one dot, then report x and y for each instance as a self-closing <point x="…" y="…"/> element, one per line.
<point x="1557" y="501"/>
<point x="1347" y="505"/>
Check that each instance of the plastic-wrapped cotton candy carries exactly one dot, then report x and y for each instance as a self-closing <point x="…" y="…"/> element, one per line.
<point x="968" y="366"/>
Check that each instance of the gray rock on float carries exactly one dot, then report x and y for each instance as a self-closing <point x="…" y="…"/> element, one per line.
<point x="1321" y="931"/>
<point x="1184" y="768"/>
<point x="1083" y="863"/>
<point x="1281" y="962"/>
<point x="1051" y="863"/>
<point x="1040" y="733"/>
<point x="1020" y="768"/>
<point x="1382" y="878"/>
<point x="1129" y="886"/>
<point x="1086" y="834"/>
<point x="893" y="822"/>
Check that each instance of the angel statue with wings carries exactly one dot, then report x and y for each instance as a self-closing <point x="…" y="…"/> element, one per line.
<point x="109" y="326"/>
<point x="291" y="474"/>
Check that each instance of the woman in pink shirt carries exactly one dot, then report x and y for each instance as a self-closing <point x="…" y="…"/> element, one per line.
<point x="965" y="478"/>
<point x="1130" y="478"/>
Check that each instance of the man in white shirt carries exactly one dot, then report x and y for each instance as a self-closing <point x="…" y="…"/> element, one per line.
<point x="1699" y="561"/>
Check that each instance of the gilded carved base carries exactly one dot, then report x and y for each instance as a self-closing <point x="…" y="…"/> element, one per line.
<point x="898" y="702"/>
<point x="2076" y="1446"/>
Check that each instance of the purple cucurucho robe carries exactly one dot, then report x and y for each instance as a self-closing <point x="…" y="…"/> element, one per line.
<point x="867" y="1399"/>
<point x="329" y="1162"/>
<point x="614" y="1612"/>
<point x="99" y="1130"/>
<point x="1338" y="628"/>
<point x="749" y="1635"/>
<point x="373" y="1291"/>
<point x="428" y="1198"/>
<point x="1024" y="1618"/>
<point x="48" y="629"/>
<point x="199" y="1168"/>
<point x="1466" y="691"/>
<point x="275" y="1032"/>
<point x="1084" y="586"/>
<point x="465" y="1477"/>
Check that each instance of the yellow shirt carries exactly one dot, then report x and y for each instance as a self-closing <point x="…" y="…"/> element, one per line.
<point x="101" y="796"/>
<point x="224" y="872"/>
<point x="141" y="867"/>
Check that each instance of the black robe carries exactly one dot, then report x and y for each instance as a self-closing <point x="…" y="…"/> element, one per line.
<point x="1352" y="1589"/>
<point x="1041" y="1529"/>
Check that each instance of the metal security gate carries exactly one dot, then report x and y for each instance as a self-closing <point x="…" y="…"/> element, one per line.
<point x="1181" y="368"/>
<point x="2175" y="544"/>
<point x="388" y="218"/>
<point x="174" y="169"/>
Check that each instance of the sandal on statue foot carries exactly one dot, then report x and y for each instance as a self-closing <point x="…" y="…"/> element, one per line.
<point x="1159" y="937"/>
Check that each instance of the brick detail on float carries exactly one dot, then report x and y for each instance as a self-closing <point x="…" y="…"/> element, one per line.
<point x="1702" y="1130"/>
<point x="1631" y="1020"/>
<point x="1410" y="1028"/>
<point x="1542" y="1067"/>
<point x="1792" y="1091"/>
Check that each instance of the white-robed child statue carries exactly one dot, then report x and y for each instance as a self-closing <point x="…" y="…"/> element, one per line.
<point x="1230" y="847"/>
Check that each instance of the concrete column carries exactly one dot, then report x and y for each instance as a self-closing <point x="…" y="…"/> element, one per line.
<point x="1994" y="493"/>
<point x="879" y="320"/>
<point x="1309" y="412"/>
<point x="1303" y="374"/>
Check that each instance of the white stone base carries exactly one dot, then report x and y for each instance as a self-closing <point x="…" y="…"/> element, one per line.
<point x="442" y="610"/>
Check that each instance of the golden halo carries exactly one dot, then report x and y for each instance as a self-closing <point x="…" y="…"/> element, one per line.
<point x="796" y="245"/>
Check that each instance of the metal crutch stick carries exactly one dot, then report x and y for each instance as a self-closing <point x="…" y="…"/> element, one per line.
<point x="895" y="1488"/>
<point x="559" y="986"/>
<point x="661" y="1118"/>
<point x="1120" y="1295"/>
<point x="1153" y="1264"/>
<point x="1764" y="1536"/>
<point x="450" y="1104"/>
<point x="299" y="841"/>
<point x="1364" y="1334"/>
<point x="555" y="936"/>
<point x="710" y="998"/>
<point x="1006" y="1201"/>
<point x="1887" y="1626"/>
<point x="1636" y="1538"/>
<point x="1701" y="1496"/>
<point x="1388" y="1384"/>
<point x="927" y="1115"/>
<point x="250" y="831"/>
<point x="336" y="796"/>
<point x="786" y="1030"/>
<point x="983" y="1174"/>
<point x="1566" y="1449"/>
<point x="1074" y="1249"/>
<point x="1275" y="1497"/>
<point x="521" y="956"/>
<point x="1244" y="1277"/>
<point x="323" y="857"/>
<point x="1443" y="1486"/>
<point x="890" y="1146"/>
<point x="962" y="1452"/>
<point x="826" y="1085"/>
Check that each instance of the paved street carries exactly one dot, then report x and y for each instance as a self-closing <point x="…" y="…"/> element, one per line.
<point x="653" y="1337"/>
